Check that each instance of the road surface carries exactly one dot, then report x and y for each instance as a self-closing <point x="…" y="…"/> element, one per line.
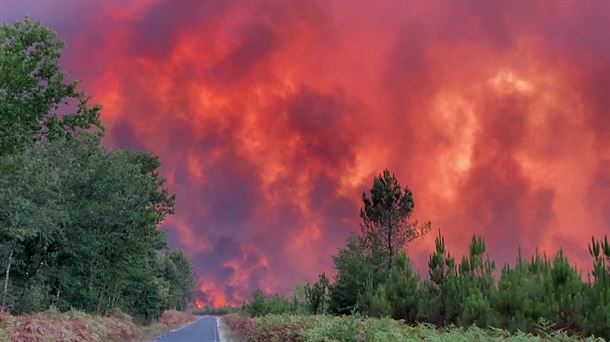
<point x="202" y="330"/>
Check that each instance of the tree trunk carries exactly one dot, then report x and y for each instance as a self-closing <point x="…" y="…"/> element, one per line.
<point x="390" y="252"/>
<point x="6" y="278"/>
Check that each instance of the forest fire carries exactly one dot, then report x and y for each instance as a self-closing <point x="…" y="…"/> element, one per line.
<point x="270" y="121"/>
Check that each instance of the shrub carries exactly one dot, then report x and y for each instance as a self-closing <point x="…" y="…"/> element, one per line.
<point x="346" y="328"/>
<point x="75" y="326"/>
<point x="173" y="317"/>
<point x="241" y="325"/>
<point x="476" y="310"/>
<point x="318" y="328"/>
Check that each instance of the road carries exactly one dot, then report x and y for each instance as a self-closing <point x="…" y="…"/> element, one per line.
<point x="202" y="330"/>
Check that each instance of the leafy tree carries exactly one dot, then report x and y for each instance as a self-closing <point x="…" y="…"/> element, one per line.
<point x="116" y="205"/>
<point x="78" y="223"/>
<point x="82" y="224"/>
<point x="32" y="220"/>
<point x="178" y="273"/>
<point x="385" y="217"/>
<point x="36" y="102"/>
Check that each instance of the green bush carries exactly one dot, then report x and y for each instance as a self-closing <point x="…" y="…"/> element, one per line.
<point x="276" y="304"/>
<point x="32" y="299"/>
<point x="477" y="310"/>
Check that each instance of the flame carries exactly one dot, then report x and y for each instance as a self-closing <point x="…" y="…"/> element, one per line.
<point x="271" y="119"/>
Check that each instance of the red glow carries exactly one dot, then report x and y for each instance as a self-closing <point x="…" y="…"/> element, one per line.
<point x="271" y="118"/>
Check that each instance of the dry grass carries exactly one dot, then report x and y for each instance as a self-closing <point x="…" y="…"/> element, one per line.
<point x="51" y="326"/>
<point x="171" y="319"/>
<point x="226" y="333"/>
<point x="76" y="326"/>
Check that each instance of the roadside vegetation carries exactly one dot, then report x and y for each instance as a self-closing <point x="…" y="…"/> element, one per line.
<point x="376" y="294"/>
<point x="79" y="237"/>
<point x="356" y="328"/>
<point x="78" y="326"/>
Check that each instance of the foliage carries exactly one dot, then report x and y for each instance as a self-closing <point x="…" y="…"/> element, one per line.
<point x="380" y="306"/>
<point x="454" y="294"/>
<point x="257" y="307"/>
<point x="177" y="271"/>
<point x="78" y="222"/>
<point x="51" y="326"/>
<point x="35" y="100"/>
<point x="432" y="304"/>
<point x="365" y="262"/>
<point x="357" y="328"/>
<point x="385" y="218"/>
<point x="355" y="269"/>
<point x="276" y="304"/>
<point x="400" y="289"/>
<point x="317" y="295"/>
<point x="539" y="296"/>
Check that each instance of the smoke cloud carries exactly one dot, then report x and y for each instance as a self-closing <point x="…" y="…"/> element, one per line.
<point x="271" y="118"/>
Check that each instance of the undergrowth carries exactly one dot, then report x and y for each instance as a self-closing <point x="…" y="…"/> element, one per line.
<point x="77" y="326"/>
<point x="322" y="328"/>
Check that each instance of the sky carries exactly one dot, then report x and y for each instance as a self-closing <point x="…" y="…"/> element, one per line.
<point x="272" y="117"/>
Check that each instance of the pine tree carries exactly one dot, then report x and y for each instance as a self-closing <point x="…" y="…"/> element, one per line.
<point x="441" y="266"/>
<point x="385" y="218"/>
<point x="401" y="289"/>
<point x="597" y="300"/>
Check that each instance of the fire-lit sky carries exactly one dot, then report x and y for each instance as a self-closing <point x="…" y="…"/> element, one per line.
<point x="272" y="117"/>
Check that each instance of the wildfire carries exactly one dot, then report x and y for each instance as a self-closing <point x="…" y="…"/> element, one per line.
<point x="270" y="119"/>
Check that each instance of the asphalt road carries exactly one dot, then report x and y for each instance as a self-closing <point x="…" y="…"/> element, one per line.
<point x="202" y="330"/>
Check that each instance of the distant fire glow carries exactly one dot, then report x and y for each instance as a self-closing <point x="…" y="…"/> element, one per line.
<point x="271" y="118"/>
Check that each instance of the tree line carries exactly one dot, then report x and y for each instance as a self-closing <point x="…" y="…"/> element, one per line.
<point x="78" y="222"/>
<point x="374" y="277"/>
